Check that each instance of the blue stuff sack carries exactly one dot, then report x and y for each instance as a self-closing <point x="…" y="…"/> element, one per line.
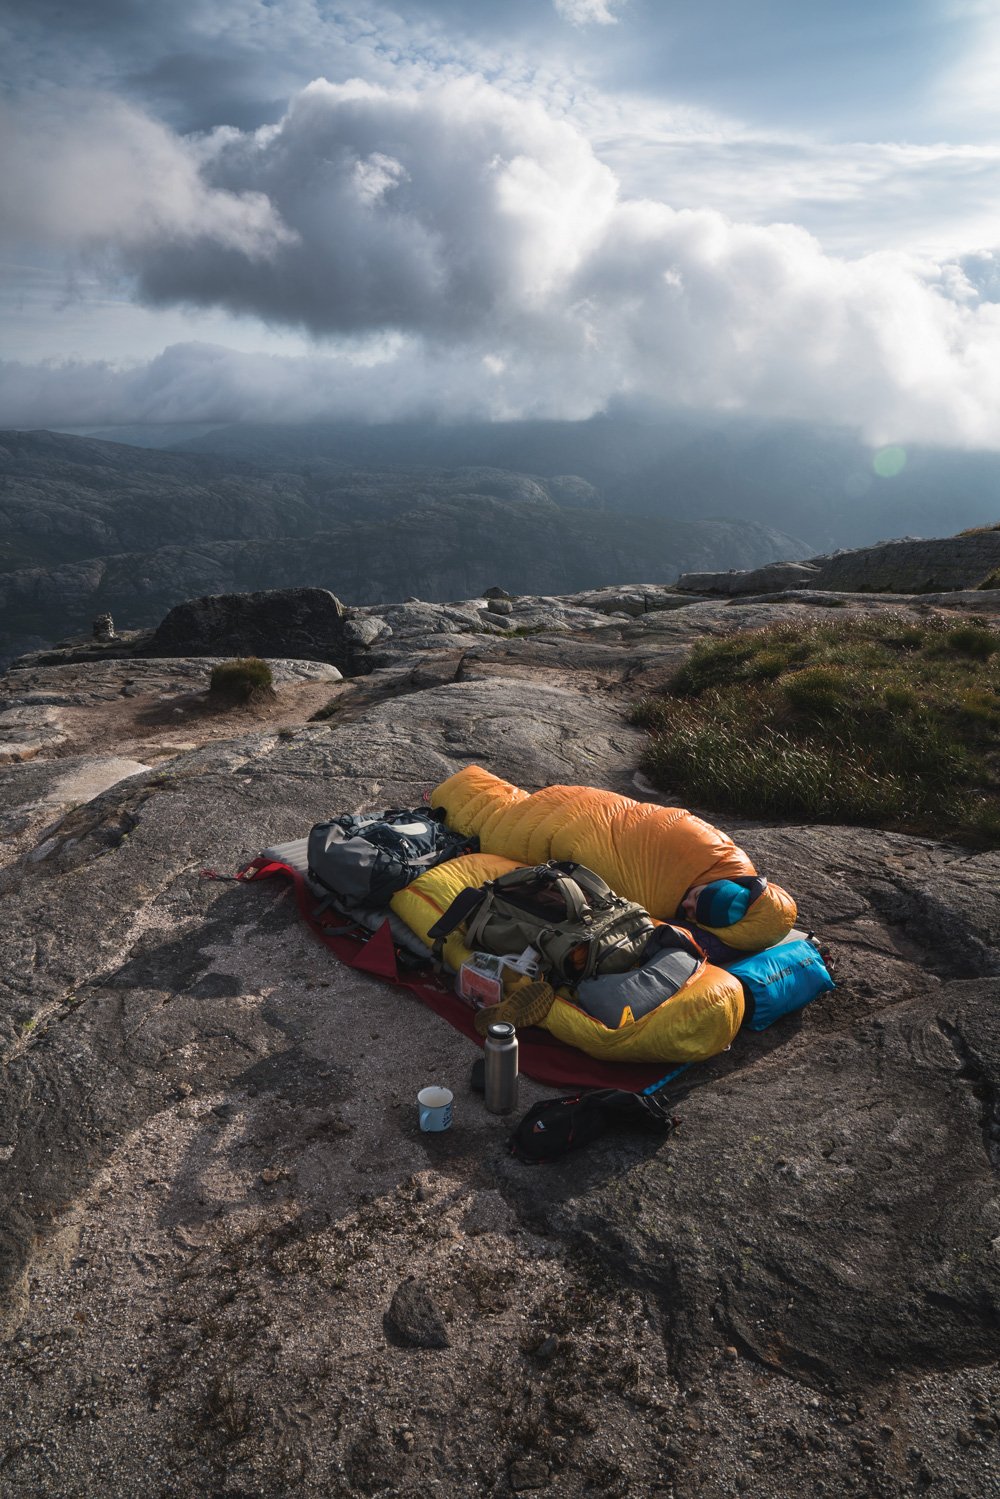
<point x="781" y="980"/>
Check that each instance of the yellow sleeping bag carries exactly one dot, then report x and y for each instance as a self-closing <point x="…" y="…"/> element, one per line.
<point x="699" y="1020"/>
<point x="424" y="899"/>
<point x="650" y="854"/>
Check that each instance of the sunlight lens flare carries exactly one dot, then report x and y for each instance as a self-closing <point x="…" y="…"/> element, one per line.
<point x="888" y="462"/>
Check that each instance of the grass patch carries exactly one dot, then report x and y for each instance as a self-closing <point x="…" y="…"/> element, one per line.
<point x="974" y="639"/>
<point x="247" y="680"/>
<point x="879" y="722"/>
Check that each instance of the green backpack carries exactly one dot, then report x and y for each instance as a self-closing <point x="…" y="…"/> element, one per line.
<point x="571" y="917"/>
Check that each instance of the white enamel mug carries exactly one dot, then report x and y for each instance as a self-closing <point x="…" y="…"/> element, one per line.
<point x="435" y="1109"/>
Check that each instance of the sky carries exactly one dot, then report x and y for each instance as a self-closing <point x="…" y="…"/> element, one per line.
<point x="285" y="210"/>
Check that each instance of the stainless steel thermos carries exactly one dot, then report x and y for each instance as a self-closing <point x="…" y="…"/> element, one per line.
<point x="501" y="1068"/>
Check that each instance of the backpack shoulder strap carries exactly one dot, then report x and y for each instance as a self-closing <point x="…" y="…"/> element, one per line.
<point x="560" y="876"/>
<point x="465" y="904"/>
<point x="589" y="882"/>
<point x="572" y="893"/>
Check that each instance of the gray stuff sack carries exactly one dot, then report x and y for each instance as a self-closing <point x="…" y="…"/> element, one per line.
<point x="640" y="989"/>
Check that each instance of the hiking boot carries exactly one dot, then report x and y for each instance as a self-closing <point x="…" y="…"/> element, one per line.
<point x="528" y="1005"/>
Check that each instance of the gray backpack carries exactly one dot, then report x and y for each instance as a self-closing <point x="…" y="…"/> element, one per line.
<point x="571" y="917"/>
<point x="364" y="858"/>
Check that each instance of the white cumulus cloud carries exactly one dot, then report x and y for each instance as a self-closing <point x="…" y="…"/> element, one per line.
<point x="97" y="173"/>
<point x="587" y="12"/>
<point x="496" y="265"/>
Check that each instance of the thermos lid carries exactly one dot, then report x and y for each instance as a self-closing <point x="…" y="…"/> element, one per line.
<point x="501" y="1030"/>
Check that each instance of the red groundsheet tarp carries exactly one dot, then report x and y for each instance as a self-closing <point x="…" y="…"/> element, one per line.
<point x="541" y="1056"/>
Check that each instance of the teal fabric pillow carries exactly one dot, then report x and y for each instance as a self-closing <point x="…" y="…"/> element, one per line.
<point x="722" y="903"/>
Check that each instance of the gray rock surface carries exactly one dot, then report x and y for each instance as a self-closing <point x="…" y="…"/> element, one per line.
<point x="365" y="630"/>
<point x="32" y="795"/>
<point x="910" y="566"/>
<point x="27" y="729"/>
<point x="307" y="623"/>
<point x="881" y="1198"/>
<point x="214" y="1179"/>
<point x="773" y="578"/>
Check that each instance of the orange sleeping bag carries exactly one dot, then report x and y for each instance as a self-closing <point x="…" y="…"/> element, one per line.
<point x="648" y="853"/>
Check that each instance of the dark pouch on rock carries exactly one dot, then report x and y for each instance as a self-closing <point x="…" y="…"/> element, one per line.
<point x="556" y="1126"/>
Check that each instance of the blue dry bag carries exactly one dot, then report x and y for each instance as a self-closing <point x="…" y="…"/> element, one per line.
<point x="780" y="980"/>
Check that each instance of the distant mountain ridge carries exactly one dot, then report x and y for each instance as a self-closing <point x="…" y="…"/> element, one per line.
<point x="813" y="481"/>
<point x="89" y="526"/>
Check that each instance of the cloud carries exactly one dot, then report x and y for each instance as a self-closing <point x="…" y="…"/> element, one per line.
<point x="587" y="12"/>
<point x="855" y="196"/>
<point x="976" y="276"/>
<point x="203" y="63"/>
<point x="440" y="213"/>
<point x="198" y="382"/>
<point x="463" y="252"/>
<point x="97" y="174"/>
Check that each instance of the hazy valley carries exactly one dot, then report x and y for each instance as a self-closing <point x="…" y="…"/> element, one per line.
<point x="88" y="526"/>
